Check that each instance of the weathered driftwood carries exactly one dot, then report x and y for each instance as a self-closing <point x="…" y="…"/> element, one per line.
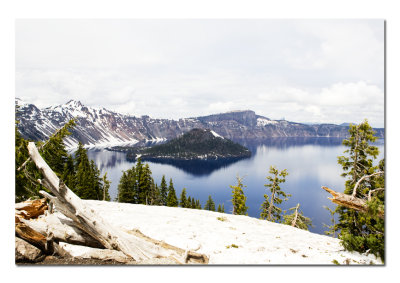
<point x="24" y="251"/>
<point x="350" y="201"/>
<point x="95" y="253"/>
<point x="87" y="220"/>
<point x="62" y="229"/>
<point x="31" y="236"/>
<point x="189" y="256"/>
<point x="30" y="208"/>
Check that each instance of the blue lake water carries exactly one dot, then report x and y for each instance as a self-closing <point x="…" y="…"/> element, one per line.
<point x="310" y="162"/>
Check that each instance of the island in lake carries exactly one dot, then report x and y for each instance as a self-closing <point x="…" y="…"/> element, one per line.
<point x="197" y="144"/>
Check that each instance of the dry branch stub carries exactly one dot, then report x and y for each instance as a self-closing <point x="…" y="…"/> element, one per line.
<point x="349" y="201"/>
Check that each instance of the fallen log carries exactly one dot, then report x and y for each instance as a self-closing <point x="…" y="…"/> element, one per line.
<point x="63" y="230"/>
<point x="86" y="219"/>
<point x="350" y="201"/>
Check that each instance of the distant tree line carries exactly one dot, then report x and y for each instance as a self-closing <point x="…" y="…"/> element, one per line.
<point x="137" y="186"/>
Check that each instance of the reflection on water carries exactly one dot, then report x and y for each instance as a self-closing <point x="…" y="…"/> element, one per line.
<point x="311" y="163"/>
<point x="196" y="167"/>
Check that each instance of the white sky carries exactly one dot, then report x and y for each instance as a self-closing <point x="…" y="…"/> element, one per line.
<point x="302" y="70"/>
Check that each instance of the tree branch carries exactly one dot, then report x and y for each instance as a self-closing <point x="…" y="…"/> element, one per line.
<point x="363" y="178"/>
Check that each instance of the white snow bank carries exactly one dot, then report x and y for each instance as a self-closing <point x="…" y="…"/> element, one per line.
<point x="216" y="135"/>
<point x="229" y="239"/>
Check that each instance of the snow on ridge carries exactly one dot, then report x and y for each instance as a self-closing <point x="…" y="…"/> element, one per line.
<point x="263" y="122"/>
<point x="227" y="238"/>
<point x="216" y="135"/>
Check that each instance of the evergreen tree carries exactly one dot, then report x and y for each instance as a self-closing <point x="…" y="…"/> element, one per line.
<point x="197" y="204"/>
<point x="361" y="231"/>
<point x="97" y="181"/>
<point x="163" y="191"/>
<point x="297" y="219"/>
<point x="25" y="184"/>
<point x="270" y="210"/>
<point x="193" y="203"/>
<point x="183" y="201"/>
<point x="238" y="198"/>
<point x="144" y="182"/>
<point x="189" y="202"/>
<point x="69" y="173"/>
<point x="53" y="152"/>
<point x="172" y="200"/>
<point x="126" y="192"/>
<point x="105" y="187"/>
<point x="331" y="227"/>
<point x="221" y="208"/>
<point x="210" y="205"/>
<point x="154" y="196"/>
<point x="80" y="154"/>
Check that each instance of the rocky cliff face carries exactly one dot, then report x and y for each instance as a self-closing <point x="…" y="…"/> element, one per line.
<point x="102" y="127"/>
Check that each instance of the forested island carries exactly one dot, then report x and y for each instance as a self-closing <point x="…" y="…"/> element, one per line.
<point x="197" y="144"/>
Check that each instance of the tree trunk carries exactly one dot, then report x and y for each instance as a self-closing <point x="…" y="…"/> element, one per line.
<point x="295" y="216"/>
<point x="87" y="220"/>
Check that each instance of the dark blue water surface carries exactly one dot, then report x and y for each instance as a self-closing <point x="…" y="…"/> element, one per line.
<point x="311" y="163"/>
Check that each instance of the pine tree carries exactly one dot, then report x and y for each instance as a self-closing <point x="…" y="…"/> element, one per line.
<point x="172" y="200"/>
<point x="331" y="227"/>
<point x="105" y="186"/>
<point x="154" y="196"/>
<point x="210" y="205"/>
<point x="238" y="198"/>
<point x="163" y="191"/>
<point x="53" y="152"/>
<point x="193" y="203"/>
<point x="221" y="208"/>
<point x="270" y="210"/>
<point x="361" y="231"/>
<point x="183" y="201"/>
<point x="144" y="182"/>
<point x="126" y="191"/>
<point x="297" y="219"/>
<point x="69" y="173"/>
<point x="197" y="204"/>
<point x="143" y="175"/>
<point x="25" y="178"/>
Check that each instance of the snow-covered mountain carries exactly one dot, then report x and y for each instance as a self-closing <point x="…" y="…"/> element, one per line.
<point x="101" y="127"/>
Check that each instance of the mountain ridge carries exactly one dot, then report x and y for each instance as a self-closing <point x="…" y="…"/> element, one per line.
<point x="100" y="127"/>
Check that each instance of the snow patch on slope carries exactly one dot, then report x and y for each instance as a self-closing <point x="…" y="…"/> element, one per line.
<point x="263" y="122"/>
<point x="229" y="239"/>
<point x="216" y="135"/>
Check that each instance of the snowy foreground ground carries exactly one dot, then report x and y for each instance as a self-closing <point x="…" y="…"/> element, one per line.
<point x="229" y="239"/>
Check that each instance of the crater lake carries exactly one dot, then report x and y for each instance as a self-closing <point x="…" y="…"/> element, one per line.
<point x="310" y="162"/>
